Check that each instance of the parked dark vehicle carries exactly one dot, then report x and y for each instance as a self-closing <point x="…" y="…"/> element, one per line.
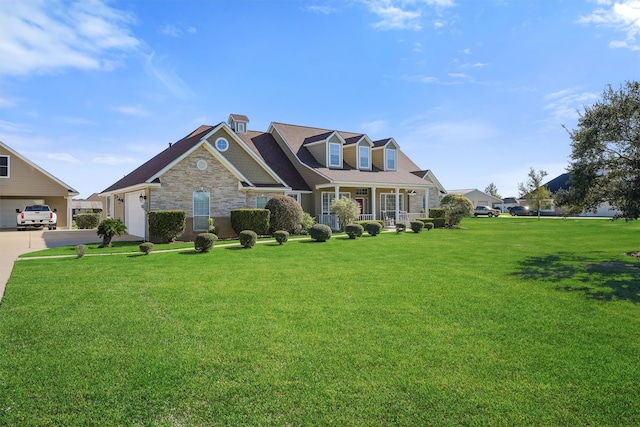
<point x="519" y="211"/>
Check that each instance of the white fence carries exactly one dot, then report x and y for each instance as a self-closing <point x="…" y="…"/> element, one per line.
<point x="389" y="218"/>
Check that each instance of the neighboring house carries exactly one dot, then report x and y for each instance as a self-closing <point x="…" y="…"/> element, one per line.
<point x="216" y="169"/>
<point x="477" y="197"/>
<point x="24" y="183"/>
<point x="92" y="204"/>
<point x="561" y="182"/>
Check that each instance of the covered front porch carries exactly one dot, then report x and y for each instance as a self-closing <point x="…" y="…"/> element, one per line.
<point x="392" y="205"/>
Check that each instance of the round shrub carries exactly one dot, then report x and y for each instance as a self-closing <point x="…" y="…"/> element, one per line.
<point x="373" y="228"/>
<point x="354" y="230"/>
<point x="286" y="214"/>
<point x="417" y="226"/>
<point x="205" y="241"/>
<point x="281" y="236"/>
<point x="320" y="232"/>
<point x="146" y="247"/>
<point x="81" y="250"/>
<point x="248" y="238"/>
<point x="400" y="227"/>
<point x="428" y="226"/>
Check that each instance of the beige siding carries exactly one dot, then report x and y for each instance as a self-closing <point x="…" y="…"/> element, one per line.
<point x="242" y="160"/>
<point x="27" y="181"/>
<point x="377" y="157"/>
<point x="350" y="154"/>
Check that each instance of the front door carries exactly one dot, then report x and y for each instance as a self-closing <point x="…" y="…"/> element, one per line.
<point x="360" y="201"/>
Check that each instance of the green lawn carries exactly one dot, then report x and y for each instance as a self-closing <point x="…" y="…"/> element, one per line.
<point x="509" y="321"/>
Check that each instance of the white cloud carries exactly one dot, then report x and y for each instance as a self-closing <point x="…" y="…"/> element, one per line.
<point x="323" y="10"/>
<point x="45" y="36"/>
<point x="62" y="157"/>
<point x="175" y="31"/>
<point x="623" y="16"/>
<point x="563" y="105"/>
<point x="132" y="111"/>
<point x="374" y="128"/>
<point x="167" y="75"/>
<point x="404" y="14"/>
<point x="112" y="160"/>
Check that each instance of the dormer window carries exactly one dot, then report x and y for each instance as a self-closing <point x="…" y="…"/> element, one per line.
<point x="364" y="157"/>
<point x="334" y="155"/>
<point x="390" y="159"/>
<point x="241" y="127"/>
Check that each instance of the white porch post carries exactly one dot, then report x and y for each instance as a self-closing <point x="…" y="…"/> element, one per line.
<point x="69" y="214"/>
<point x="373" y="203"/>
<point x="426" y="202"/>
<point x="397" y="204"/>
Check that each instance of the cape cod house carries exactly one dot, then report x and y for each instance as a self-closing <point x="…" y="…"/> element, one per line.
<point x="216" y="169"/>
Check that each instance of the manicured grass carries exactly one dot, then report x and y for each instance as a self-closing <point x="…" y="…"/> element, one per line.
<point x="507" y="322"/>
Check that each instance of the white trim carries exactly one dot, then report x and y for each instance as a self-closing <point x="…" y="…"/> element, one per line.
<point x="220" y="139"/>
<point x="70" y="190"/>
<point x="130" y="189"/>
<point x="8" y="175"/>
<point x="386" y="159"/>
<point x="368" y="165"/>
<point x="329" y="164"/>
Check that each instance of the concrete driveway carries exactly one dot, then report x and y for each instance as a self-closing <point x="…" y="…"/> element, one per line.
<point x="14" y="243"/>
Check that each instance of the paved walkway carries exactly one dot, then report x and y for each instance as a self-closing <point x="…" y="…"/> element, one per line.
<point x="15" y="243"/>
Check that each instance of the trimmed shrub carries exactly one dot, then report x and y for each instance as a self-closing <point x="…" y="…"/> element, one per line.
<point x="81" y="250"/>
<point x="212" y="228"/>
<point x="417" y="226"/>
<point x="256" y="220"/>
<point x="428" y="226"/>
<point x="165" y="226"/>
<point x="286" y="214"/>
<point x="281" y="236"/>
<point x="205" y="241"/>
<point x="248" y="238"/>
<point x="400" y="227"/>
<point x="437" y="222"/>
<point x="320" y="232"/>
<point x="373" y="228"/>
<point x="307" y="222"/>
<point x="108" y="229"/>
<point x="436" y="213"/>
<point x="146" y="247"/>
<point x="354" y="230"/>
<point x="87" y="221"/>
<point x="365" y="222"/>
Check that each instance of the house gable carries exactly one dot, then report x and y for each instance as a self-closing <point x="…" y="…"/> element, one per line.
<point x="382" y="152"/>
<point x="24" y="178"/>
<point x="357" y="152"/>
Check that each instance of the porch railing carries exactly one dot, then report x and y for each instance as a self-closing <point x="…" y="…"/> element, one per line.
<point x="389" y="218"/>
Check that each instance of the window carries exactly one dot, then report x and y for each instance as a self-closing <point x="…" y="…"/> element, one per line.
<point x="295" y="196"/>
<point x="334" y="154"/>
<point x="4" y="166"/>
<point x="222" y="144"/>
<point x="364" y="157"/>
<point x="261" y="202"/>
<point x="388" y="202"/>
<point x="362" y="191"/>
<point x="391" y="158"/>
<point x="240" y="127"/>
<point x="200" y="210"/>
<point x="328" y="197"/>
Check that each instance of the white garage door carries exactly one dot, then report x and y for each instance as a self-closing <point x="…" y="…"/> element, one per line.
<point x="134" y="215"/>
<point x="8" y="210"/>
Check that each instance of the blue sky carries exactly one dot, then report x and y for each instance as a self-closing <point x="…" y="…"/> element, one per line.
<point x="475" y="90"/>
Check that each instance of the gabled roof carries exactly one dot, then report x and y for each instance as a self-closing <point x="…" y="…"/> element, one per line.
<point x="560" y="182"/>
<point x="297" y="137"/>
<point x="147" y="170"/>
<point x="70" y="190"/>
<point x="239" y="117"/>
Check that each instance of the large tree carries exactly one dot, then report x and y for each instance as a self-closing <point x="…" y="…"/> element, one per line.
<point x="493" y="190"/>
<point x="536" y="194"/>
<point x="605" y="157"/>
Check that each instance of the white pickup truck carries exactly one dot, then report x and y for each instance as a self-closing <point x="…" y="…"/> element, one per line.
<point x="36" y="216"/>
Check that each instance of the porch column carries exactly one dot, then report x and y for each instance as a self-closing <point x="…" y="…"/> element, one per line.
<point x="336" y="190"/>
<point x="426" y="202"/>
<point x="374" y="210"/>
<point x="69" y="213"/>
<point x="397" y="204"/>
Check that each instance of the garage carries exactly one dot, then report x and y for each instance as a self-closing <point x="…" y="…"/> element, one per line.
<point x="8" y="210"/>
<point x="134" y="215"/>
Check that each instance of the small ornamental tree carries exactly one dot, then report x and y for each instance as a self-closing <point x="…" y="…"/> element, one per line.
<point x="346" y="210"/>
<point x="534" y="192"/>
<point x="286" y="214"/>
<point x="456" y="207"/>
<point x="108" y="228"/>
